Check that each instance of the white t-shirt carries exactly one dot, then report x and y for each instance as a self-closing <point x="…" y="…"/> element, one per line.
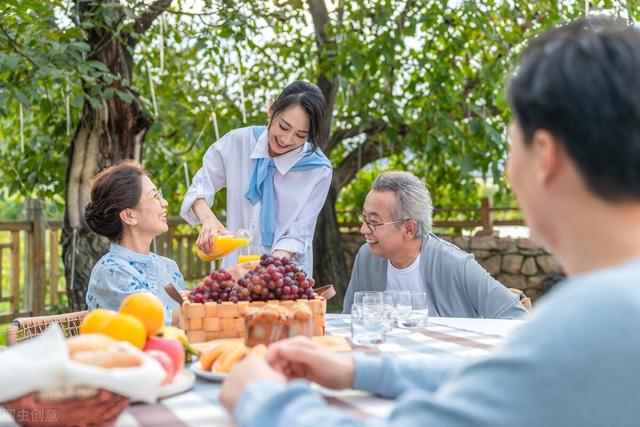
<point x="405" y="279"/>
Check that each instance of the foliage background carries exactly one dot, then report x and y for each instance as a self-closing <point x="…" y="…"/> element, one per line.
<point x="419" y="85"/>
<point x="442" y="77"/>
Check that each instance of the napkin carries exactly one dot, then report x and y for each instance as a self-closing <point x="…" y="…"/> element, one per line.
<point x="43" y="363"/>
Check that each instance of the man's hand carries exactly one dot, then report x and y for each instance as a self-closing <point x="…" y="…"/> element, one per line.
<point x="299" y="357"/>
<point x="252" y="369"/>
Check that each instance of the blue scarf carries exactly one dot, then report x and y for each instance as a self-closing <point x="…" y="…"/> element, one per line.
<point x="261" y="184"/>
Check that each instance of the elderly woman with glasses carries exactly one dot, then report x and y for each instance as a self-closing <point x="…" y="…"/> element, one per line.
<point x="127" y="208"/>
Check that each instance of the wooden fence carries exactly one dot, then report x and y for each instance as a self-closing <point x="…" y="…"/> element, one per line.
<point x="483" y="219"/>
<point x="177" y="244"/>
<point x="31" y="264"/>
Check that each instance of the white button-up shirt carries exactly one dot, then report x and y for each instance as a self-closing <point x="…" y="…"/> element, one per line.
<point x="299" y="195"/>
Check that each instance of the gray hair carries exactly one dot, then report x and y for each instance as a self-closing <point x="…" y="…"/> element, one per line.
<point x="413" y="200"/>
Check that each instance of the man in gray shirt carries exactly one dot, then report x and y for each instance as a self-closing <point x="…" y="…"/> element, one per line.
<point x="402" y="254"/>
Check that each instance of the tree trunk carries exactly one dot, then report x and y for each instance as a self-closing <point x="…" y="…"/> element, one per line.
<point x="112" y="132"/>
<point x="89" y="247"/>
<point x="329" y="264"/>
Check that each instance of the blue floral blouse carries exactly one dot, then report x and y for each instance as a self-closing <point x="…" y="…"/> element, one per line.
<point x="122" y="272"/>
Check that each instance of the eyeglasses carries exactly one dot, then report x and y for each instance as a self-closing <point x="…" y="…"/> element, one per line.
<point x="157" y="195"/>
<point x="373" y="225"/>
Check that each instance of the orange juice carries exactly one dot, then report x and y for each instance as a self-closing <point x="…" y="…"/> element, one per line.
<point x="223" y="245"/>
<point x="248" y="258"/>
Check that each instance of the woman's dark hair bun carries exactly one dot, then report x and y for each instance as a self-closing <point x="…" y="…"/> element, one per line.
<point x="115" y="188"/>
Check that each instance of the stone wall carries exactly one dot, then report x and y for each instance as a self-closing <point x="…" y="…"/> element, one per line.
<point x="516" y="263"/>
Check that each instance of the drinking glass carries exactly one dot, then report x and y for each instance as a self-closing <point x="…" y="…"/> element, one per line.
<point x="390" y="300"/>
<point x="250" y="253"/>
<point x="412" y="309"/>
<point x="368" y="323"/>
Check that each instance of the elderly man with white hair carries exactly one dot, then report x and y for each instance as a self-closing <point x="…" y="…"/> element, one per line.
<point x="402" y="254"/>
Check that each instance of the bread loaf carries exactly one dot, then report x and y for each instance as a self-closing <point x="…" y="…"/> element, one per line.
<point x="90" y="342"/>
<point x="108" y="359"/>
<point x="101" y="350"/>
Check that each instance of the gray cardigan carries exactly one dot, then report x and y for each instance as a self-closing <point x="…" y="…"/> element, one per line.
<point x="456" y="285"/>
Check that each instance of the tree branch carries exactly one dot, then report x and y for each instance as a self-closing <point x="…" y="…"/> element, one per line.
<point x="402" y="18"/>
<point x="369" y="152"/>
<point x="327" y="80"/>
<point x="320" y="16"/>
<point x="16" y="47"/>
<point x="372" y="128"/>
<point x="399" y="24"/>
<point x="144" y="21"/>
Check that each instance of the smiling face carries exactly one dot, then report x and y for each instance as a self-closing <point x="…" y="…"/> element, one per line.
<point x="288" y="130"/>
<point x="150" y="213"/>
<point x="386" y="240"/>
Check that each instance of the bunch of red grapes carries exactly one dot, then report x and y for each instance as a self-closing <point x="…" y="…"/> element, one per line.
<point x="273" y="279"/>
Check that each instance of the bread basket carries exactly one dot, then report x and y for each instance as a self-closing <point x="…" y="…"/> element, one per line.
<point x="75" y="406"/>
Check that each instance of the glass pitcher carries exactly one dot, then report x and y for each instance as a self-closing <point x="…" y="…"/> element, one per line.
<point x="225" y="243"/>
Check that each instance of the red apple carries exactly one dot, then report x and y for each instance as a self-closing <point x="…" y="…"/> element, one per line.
<point x="172" y="347"/>
<point x="166" y="363"/>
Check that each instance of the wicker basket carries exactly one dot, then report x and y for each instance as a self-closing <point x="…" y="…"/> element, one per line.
<point x="77" y="406"/>
<point x="210" y="321"/>
<point x="24" y="328"/>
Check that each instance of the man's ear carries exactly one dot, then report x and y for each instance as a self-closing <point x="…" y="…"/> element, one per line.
<point x="411" y="228"/>
<point x="128" y="217"/>
<point x="547" y="154"/>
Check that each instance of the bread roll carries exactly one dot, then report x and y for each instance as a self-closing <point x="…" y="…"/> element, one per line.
<point x="107" y="359"/>
<point x="229" y="358"/>
<point x="90" y="342"/>
<point x="210" y="355"/>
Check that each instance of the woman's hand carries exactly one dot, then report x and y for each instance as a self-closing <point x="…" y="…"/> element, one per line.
<point x="211" y="226"/>
<point x="206" y="239"/>
<point x="299" y="357"/>
<point x="279" y="253"/>
<point x="240" y="270"/>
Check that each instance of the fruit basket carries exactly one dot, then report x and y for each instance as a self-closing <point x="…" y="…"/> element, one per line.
<point x="210" y="321"/>
<point x="215" y="308"/>
<point x="76" y="406"/>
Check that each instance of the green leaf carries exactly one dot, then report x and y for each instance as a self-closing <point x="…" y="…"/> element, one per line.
<point x="108" y="93"/>
<point x="81" y="46"/>
<point x="22" y="98"/>
<point x="98" y="65"/>
<point x="124" y="96"/>
<point x="95" y="103"/>
<point x="77" y="100"/>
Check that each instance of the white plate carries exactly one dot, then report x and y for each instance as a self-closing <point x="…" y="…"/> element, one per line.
<point x="181" y="383"/>
<point x="210" y="376"/>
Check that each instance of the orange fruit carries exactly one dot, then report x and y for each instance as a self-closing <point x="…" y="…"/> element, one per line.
<point x="95" y="320"/>
<point x="147" y="308"/>
<point x="124" y="327"/>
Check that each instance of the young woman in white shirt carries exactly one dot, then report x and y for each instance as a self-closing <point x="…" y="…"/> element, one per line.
<point x="277" y="179"/>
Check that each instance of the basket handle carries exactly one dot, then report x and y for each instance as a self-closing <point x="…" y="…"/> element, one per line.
<point x="326" y="291"/>
<point x="173" y="293"/>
